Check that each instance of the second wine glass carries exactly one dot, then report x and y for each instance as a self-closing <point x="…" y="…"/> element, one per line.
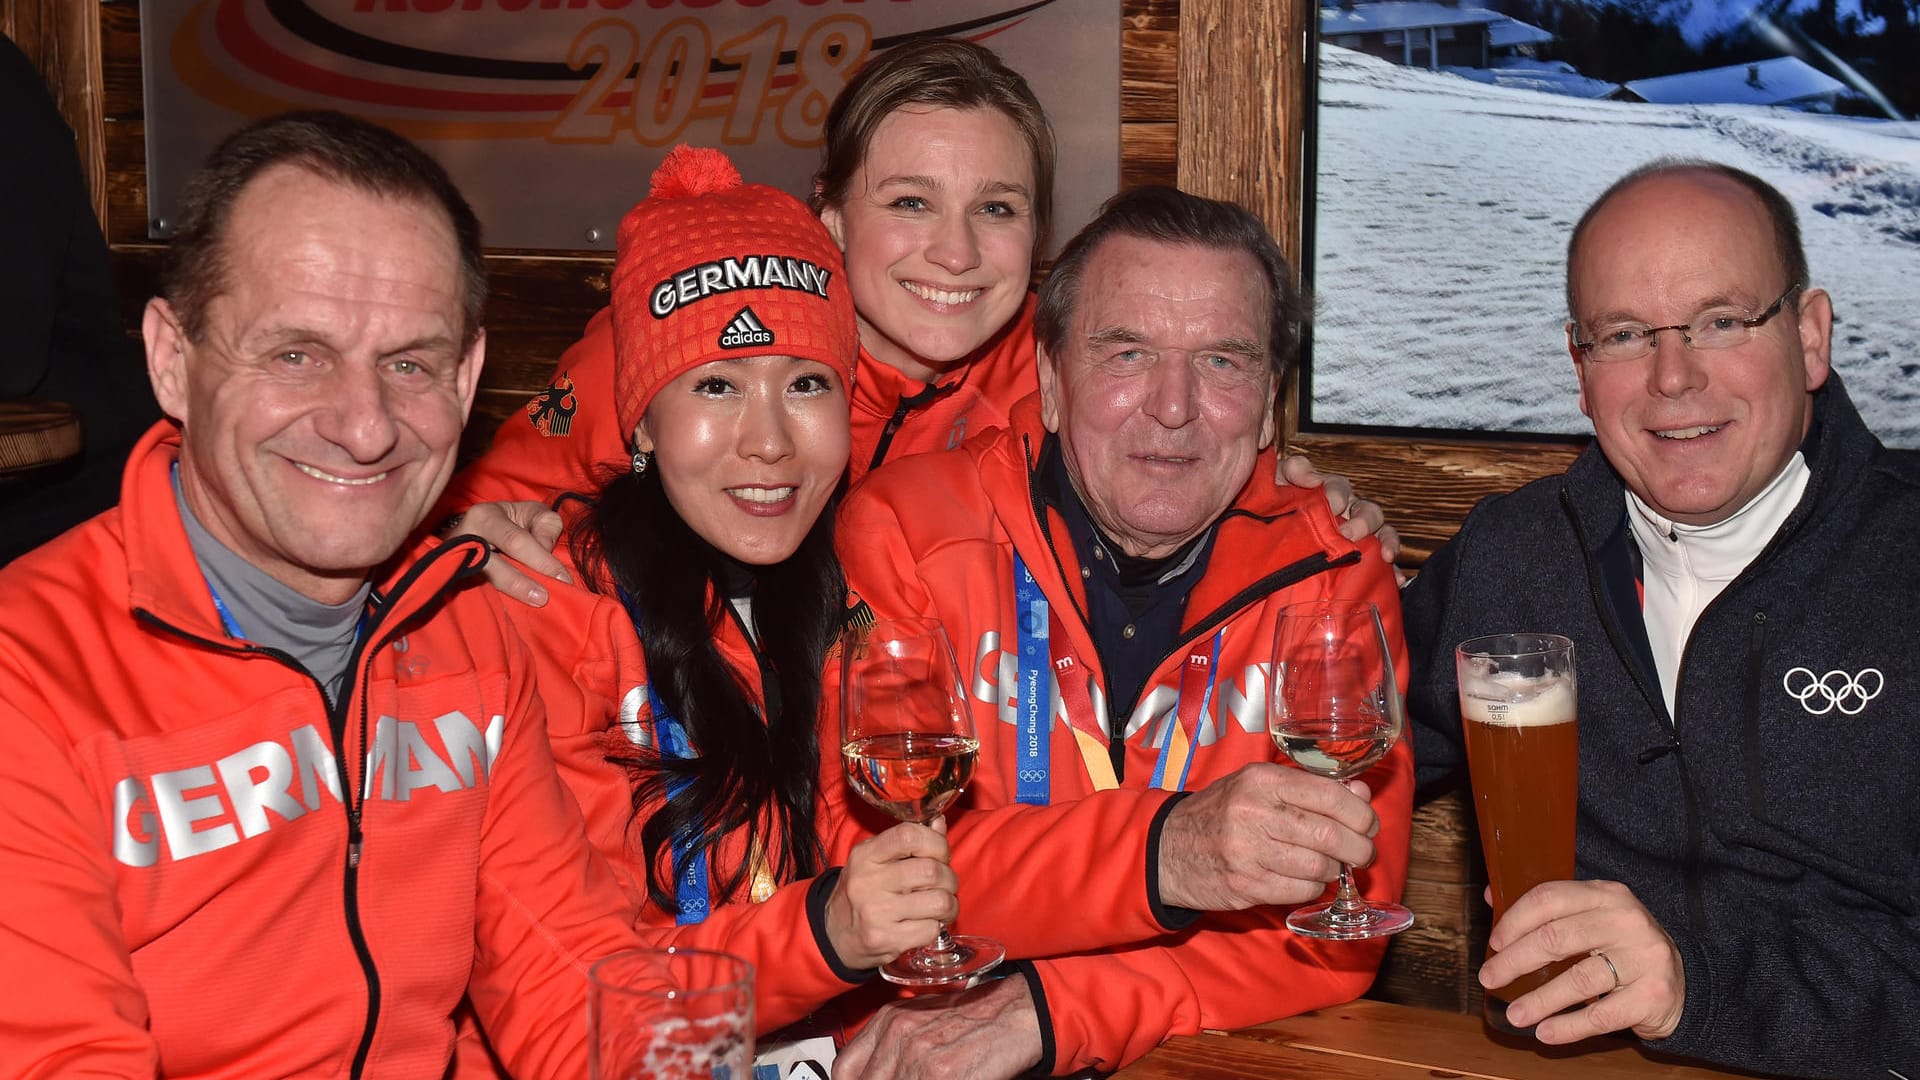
<point x="906" y="736"/>
<point x="1336" y="712"/>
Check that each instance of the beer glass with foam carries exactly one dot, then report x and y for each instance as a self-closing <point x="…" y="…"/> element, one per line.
<point x="1517" y="708"/>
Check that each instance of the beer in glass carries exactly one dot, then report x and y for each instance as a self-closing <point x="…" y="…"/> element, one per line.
<point x="1517" y="708"/>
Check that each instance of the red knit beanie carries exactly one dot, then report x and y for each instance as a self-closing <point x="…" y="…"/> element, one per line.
<point x="711" y="268"/>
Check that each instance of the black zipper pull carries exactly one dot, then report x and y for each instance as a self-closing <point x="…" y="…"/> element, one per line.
<point x="907" y="403"/>
<point x="353" y="839"/>
<point x="1654" y="753"/>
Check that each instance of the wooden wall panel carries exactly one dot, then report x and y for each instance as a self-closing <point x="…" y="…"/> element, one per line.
<point x="1428" y="485"/>
<point x="124" y="116"/>
<point x="1240" y="94"/>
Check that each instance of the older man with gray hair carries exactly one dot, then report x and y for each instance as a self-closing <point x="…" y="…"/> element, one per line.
<point x="1111" y="568"/>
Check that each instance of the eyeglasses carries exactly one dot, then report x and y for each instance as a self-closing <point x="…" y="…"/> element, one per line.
<point x="1714" y="328"/>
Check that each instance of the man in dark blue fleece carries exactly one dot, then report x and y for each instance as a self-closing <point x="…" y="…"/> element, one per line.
<point x="1733" y="560"/>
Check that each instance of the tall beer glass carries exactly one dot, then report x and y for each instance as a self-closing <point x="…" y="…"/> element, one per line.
<point x="1518" y="701"/>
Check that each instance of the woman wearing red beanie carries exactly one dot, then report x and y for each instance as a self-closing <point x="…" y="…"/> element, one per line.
<point x="681" y="678"/>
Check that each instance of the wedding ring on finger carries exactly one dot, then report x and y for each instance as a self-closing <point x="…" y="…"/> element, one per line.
<point x="1611" y="970"/>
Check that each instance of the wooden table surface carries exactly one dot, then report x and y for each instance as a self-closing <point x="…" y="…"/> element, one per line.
<point x="1373" y="1040"/>
<point x="36" y="433"/>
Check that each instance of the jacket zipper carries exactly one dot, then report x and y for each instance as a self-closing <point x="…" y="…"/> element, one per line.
<point x="1292" y="574"/>
<point x="351" y="796"/>
<point x="1691" y="872"/>
<point x="1756" y="651"/>
<point x="355" y="797"/>
<point x="927" y="395"/>
<point x="1597" y="591"/>
<point x="377" y="637"/>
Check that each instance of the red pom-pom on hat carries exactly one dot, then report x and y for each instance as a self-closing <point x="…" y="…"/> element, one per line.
<point x="689" y="171"/>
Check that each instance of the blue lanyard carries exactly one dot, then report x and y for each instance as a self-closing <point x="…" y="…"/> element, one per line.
<point x="226" y="617"/>
<point x="1033" y="777"/>
<point x="232" y="627"/>
<point x="690" y="888"/>
<point x="227" y="622"/>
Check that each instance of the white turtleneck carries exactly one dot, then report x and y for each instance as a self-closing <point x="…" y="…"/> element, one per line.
<point x="1686" y="566"/>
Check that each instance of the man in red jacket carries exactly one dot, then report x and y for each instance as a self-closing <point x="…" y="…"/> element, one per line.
<point x="276" y="794"/>
<point x="1110" y="567"/>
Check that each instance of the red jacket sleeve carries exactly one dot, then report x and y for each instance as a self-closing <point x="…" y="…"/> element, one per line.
<point x="1230" y="970"/>
<point x="564" y="438"/>
<point x="792" y="977"/>
<point x="70" y="1004"/>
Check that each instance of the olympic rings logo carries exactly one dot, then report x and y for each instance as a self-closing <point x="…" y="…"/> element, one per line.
<point x="1822" y="694"/>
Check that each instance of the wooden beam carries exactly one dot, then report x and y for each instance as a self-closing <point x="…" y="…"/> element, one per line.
<point x="1242" y="92"/>
<point x="62" y="38"/>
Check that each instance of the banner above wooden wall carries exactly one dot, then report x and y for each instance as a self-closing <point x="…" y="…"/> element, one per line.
<point x="551" y="113"/>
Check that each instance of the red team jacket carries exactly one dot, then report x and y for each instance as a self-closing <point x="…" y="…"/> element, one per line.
<point x="178" y="894"/>
<point x="593" y="680"/>
<point x="568" y="437"/>
<point x="937" y="535"/>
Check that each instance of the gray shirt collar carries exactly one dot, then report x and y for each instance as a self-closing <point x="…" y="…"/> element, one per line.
<point x="319" y="637"/>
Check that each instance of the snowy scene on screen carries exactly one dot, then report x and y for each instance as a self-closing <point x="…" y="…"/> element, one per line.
<point x="1457" y="144"/>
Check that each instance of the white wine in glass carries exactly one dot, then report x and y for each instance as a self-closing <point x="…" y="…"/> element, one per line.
<point x="911" y="776"/>
<point x="906" y="736"/>
<point x="1336" y="711"/>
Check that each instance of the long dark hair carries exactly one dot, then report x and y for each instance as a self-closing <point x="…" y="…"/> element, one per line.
<point x="752" y="774"/>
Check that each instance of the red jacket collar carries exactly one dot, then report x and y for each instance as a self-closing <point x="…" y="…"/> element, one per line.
<point x="878" y="387"/>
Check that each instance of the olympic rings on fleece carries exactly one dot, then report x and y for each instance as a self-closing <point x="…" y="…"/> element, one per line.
<point x="1822" y="694"/>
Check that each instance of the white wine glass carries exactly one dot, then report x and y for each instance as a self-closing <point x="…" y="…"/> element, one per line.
<point x="1336" y="711"/>
<point x="906" y="736"/>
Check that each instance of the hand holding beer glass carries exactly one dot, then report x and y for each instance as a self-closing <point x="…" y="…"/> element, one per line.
<point x="1336" y="711"/>
<point x="1518" y="702"/>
